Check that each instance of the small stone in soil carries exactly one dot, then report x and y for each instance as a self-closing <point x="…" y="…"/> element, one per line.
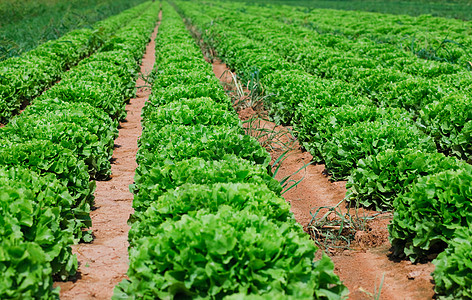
<point x="414" y="274"/>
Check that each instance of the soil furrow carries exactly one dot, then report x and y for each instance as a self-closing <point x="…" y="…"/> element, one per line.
<point x="104" y="262"/>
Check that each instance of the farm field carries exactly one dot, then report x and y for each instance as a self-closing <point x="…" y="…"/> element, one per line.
<point x="27" y="24"/>
<point x="228" y="150"/>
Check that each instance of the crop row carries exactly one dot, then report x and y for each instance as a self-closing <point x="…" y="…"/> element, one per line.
<point x="50" y="21"/>
<point x="391" y="162"/>
<point x="301" y="98"/>
<point x="432" y="102"/>
<point x="321" y="109"/>
<point x="25" y="77"/>
<point x="321" y="50"/>
<point x="49" y="153"/>
<point x="433" y="38"/>
<point x="209" y="221"/>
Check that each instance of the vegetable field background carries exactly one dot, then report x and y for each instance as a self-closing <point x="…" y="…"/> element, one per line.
<point x="230" y="150"/>
<point x="457" y="9"/>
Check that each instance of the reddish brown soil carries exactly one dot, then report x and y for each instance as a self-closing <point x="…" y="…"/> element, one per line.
<point x="104" y="262"/>
<point x="367" y="261"/>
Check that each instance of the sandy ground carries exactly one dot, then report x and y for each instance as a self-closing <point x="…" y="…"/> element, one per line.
<point x="104" y="262"/>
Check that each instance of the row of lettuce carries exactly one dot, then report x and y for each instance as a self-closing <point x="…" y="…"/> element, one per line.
<point x="50" y="156"/>
<point x="27" y="24"/>
<point x="431" y="104"/>
<point x="388" y="153"/>
<point x="25" y="77"/>
<point x="430" y="91"/>
<point x="209" y="220"/>
<point x="432" y="38"/>
<point x="323" y="48"/>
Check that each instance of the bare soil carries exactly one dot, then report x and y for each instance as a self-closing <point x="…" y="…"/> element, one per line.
<point x="366" y="263"/>
<point x="104" y="262"/>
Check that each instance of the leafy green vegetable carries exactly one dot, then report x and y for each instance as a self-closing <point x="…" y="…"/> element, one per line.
<point x="25" y="77"/>
<point x="114" y="61"/>
<point x="152" y="181"/>
<point x="93" y="119"/>
<point x="214" y="255"/>
<point x="452" y="276"/>
<point x="39" y="210"/>
<point x="189" y="77"/>
<point x="344" y="149"/>
<point x="189" y="198"/>
<point x="101" y="95"/>
<point x="318" y="125"/>
<point x="50" y="192"/>
<point x="69" y="49"/>
<point x="292" y="95"/>
<point x="45" y="157"/>
<point x="411" y="93"/>
<point x="204" y="166"/>
<point x="449" y="122"/>
<point x="118" y="78"/>
<point x="25" y="270"/>
<point x="69" y="135"/>
<point x="203" y="111"/>
<point x="177" y="142"/>
<point x="379" y="179"/>
<point x="427" y="216"/>
<point x="175" y="92"/>
<point x="22" y="79"/>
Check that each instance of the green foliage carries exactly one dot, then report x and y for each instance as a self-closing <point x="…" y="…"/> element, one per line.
<point x="38" y="209"/>
<point x="94" y="120"/>
<point x="168" y="77"/>
<point x="190" y="198"/>
<point x="46" y="157"/>
<point x="121" y="59"/>
<point x="449" y="122"/>
<point x="118" y="78"/>
<point x="291" y="95"/>
<point x="379" y="179"/>
<point x="26" y="24"/>
<point x="194" y="161"/>
<point x="152" y="181"/>
<point x="45" y="210"/>
<point x="23" y="78"/>
<point x="349" y="144"/>
<point x="25" y="270"/>
<point x="69" y="135"/>
<point x="369" y="67"/>
<point x="198" y="258"/>
<point x="394" y="88"/>
<point x="438" y="8"/>
<point x="133" y="38"/>
<point x="161" y="96"/>
<point x="427" y="216"/>
<point x="318" y="124"/>
<point x="100" y="95"/>
<point x="178" y="142"/>
<point x="203" y="111"/>
<point x="69" y="49"/>
<point x="452" y="275"/>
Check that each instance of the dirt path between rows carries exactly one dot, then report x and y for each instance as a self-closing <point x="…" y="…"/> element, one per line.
<point x="363" y="267"/>
<point x="104" y="262"/>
